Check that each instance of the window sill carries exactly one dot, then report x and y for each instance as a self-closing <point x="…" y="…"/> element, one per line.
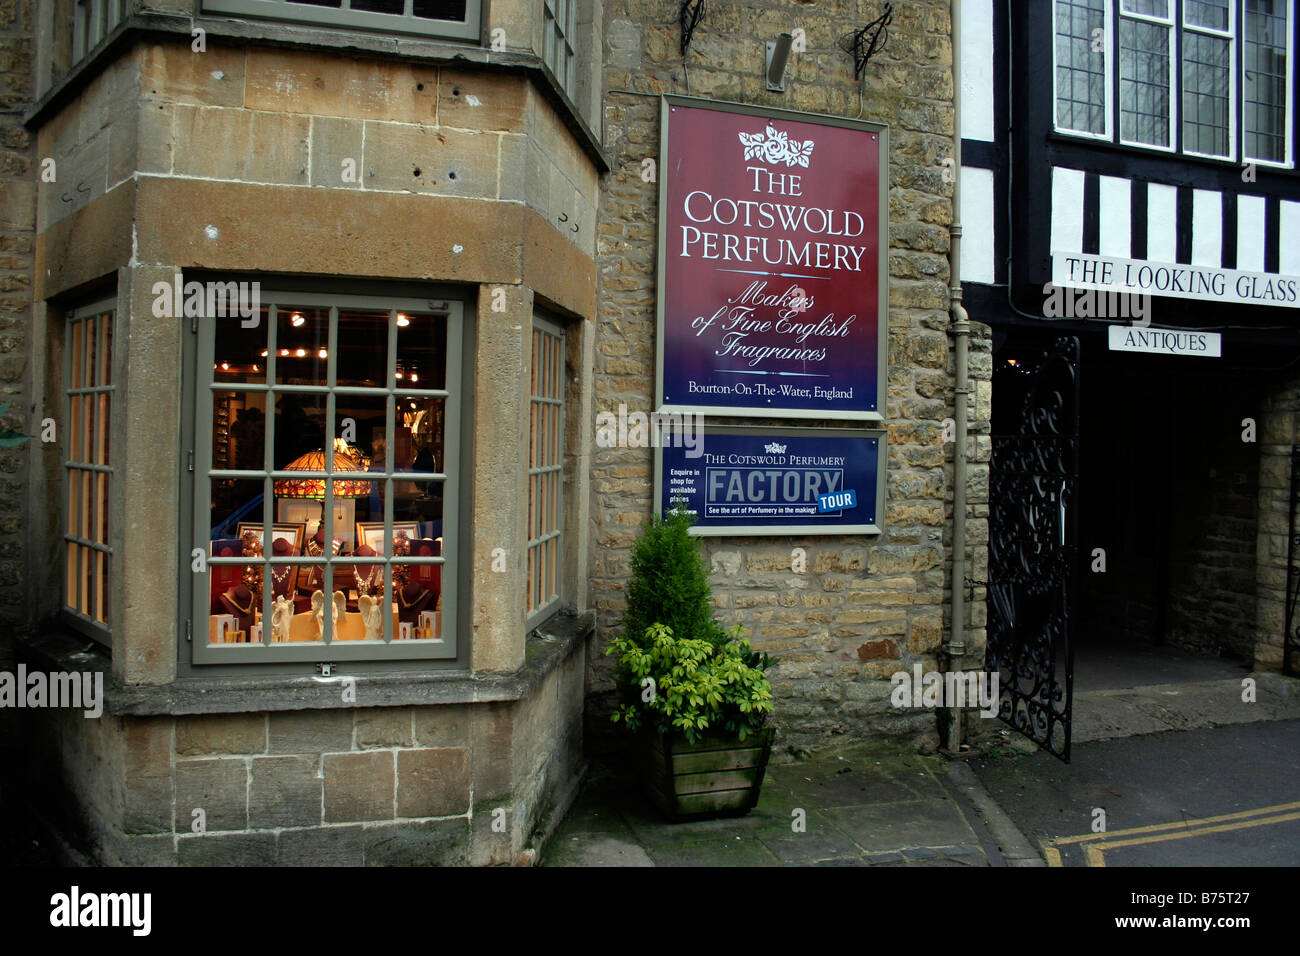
<point x="546" y="649"/>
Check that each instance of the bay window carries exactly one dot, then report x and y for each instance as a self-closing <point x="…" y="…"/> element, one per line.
<point x="1204" y="77"/>
<point x="327" y="480"/>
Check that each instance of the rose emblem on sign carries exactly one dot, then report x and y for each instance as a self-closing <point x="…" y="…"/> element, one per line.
<point x="774" y="147"/>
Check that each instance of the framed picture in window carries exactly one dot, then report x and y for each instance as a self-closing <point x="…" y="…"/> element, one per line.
<point x="372" y="534"/>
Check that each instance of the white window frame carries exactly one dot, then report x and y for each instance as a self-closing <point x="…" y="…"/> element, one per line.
<point x="1236" y="82"/>
<point x="1234" y="56"/>
<point x="1168" y="23"/>
<point x="1109" y="71"/>
<point x="1289" y="161"/>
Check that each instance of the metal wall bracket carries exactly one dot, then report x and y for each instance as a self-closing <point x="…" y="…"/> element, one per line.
<point x="865" y="43"/>
<point x="691" y="15"/>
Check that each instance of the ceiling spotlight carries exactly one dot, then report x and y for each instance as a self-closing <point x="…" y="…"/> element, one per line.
<point x="301" y="352"/>
<point x="225" y="366"/>
<point x="297" y="320"/>
<point x="414" y="377"/>
<point x="284" y="352"/>
<point x="323" y="353"/>
<point x="402" y="320"/>
<point x="263" y="353"/>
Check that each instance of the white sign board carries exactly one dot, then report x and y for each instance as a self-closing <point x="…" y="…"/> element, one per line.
<point x="1136" y="276"/>
<point x="1131" y="338"/>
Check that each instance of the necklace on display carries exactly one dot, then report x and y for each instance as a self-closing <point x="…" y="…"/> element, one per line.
<point x="401" y="596"/>
<point x="244" y="611"/>
<point x="369" y="580"/>
<point x="280" y="578"/>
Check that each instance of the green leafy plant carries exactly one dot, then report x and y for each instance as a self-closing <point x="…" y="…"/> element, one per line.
<point x="669" y="584"/>
<point x="8" y="437"/>
<point x="691" y="685"/>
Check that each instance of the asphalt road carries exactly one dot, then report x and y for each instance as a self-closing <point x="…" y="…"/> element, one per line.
<point x="1223" y="796"/>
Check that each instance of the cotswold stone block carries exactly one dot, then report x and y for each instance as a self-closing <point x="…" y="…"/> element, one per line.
<point x="221" y="734"/>
<point x="358" y="786"/>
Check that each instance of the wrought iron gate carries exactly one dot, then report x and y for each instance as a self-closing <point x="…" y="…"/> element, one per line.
<point x="1033" y="485"/>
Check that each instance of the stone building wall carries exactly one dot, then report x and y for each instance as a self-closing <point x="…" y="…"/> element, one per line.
<point x="866" y="606"/>
<point x="1278" y="434"/>
<point x="17" y="232"/>
<point x="17" y="227"/>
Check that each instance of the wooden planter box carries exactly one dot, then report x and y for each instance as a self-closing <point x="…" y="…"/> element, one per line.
<point x="719" y="776"/>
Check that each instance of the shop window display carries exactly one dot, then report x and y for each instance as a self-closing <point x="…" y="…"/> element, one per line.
<point x="329" y="487"/>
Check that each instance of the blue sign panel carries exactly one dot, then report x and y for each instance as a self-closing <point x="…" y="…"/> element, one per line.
<point x="777" y="481"/>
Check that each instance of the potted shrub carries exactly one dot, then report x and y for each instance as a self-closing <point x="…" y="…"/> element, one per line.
<point x="694" y="692"/>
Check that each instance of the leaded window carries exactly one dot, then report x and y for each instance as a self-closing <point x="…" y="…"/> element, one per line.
<point x="1206" y="77"/>
<point x="1081" y="66"/>
<point x="1145" y="72"/>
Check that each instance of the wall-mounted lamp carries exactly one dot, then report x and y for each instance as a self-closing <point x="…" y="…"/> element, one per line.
<point x="778" y="54"/>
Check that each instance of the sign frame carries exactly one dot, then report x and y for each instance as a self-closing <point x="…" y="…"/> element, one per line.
<point x="667" y="102"/>
<point x="777" y="432"/>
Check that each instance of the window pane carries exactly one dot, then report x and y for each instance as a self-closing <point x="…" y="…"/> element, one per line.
<point x="1153" y="8"/>
<point x="1265" y="71"/>
<point x="1205" y="93"/>
<point x="378" y="6"/>
<point x="441" y="10"/>
<point x="239" y="431"/>
<point x="240" y="353"/>
<point x="421" y="350"/>
<point x="1080" y="102"/>
<point x="363" y="348"/>
<point x="302" y="342"/>
<point x="1206" y="13"/>
<point x="1144" y="82"/>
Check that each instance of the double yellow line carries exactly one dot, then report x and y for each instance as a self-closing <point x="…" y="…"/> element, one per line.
<point x="1094" y="845"/>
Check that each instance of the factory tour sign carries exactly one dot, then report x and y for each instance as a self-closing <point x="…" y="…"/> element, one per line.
<point x="771" y="299"/>
<point x="752" y="480"/>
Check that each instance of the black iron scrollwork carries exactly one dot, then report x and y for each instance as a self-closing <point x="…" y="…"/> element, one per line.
<point x="870" y="40"/>
<point x="1033" y="479"/>
<point x="691" y="15"/>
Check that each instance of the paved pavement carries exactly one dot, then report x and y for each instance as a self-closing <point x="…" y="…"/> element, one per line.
<point x="1162" y="759"/>
<point x="1218" y="796"/>
<point x="858" y="808"/>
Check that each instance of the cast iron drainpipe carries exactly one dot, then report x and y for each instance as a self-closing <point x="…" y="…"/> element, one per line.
<point x="955" y="647"/>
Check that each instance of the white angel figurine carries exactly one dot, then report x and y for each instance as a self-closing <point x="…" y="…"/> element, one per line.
<point x="281" y="616"/>
<point x="371" y="616"/>
<point x="338" y="609"/>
